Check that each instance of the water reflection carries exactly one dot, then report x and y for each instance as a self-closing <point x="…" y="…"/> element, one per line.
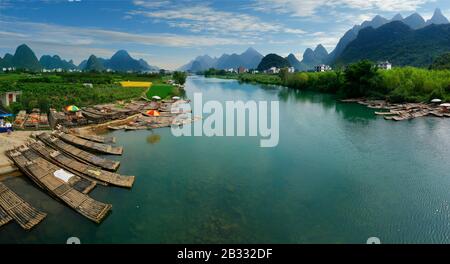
<point x="355" y="113"/>
<point x="153" y="139"/>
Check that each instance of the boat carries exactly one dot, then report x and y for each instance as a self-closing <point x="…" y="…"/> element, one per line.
<point x="22" y="212"/>
<point x="94" y="138"/>
<point x="134" y="128"/>
<point x="116" y="127"/>
<point x="78" y="183"/>
<point x="77" y="153"/>
<point x="54" y="180"/>
<point x="74" y="166"/>
<point x="88" y="145"/>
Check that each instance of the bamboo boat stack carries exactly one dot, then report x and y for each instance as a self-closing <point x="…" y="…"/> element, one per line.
<point x="400" y="112"/>
<point x="56" y="163"/>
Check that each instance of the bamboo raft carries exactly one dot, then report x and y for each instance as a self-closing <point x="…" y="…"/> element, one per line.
<point x="88" y="145"/>
<point x="81" y="184"/>
<point x="94" y="138"/>
<point x="75" y="166"/>
<point x="98" y="139"/>
<point x="4" y="217"/>
<point x="44" y="174"/>
<point x="18" y="209"/>
<point x="77" y="153"/>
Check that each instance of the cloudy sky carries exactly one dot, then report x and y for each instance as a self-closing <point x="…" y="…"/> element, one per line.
<point x="169" y="33"/>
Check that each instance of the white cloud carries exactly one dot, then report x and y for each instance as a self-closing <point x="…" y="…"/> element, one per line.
<point x="307" y="8"/>
<point x="56" y="34"/>
<point x="204" y="18"/>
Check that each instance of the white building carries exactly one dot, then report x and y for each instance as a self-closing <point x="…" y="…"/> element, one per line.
<point x="9" y="97"/>
<point x="291" y="69"/>
<point x="322" y="68"/>
<point x="273" y="70"/>
<point x="9" y="69"/>
<point x="384" y="65"/>
<point x="88" y="85"/>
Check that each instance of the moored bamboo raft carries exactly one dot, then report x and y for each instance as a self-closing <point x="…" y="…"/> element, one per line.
<point x="94" y="138"/>
<point x="18" y="209"/>
<point x="4" y="217"/>
<point x="77" y="153"/>
<point x="89" y="145"/>
<point x="75" y="166"/>
<point x="78" y="183"/>
<point x="49" y="177"/>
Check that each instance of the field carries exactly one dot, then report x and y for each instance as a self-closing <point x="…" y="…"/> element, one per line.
<point x="57" y="90"/>
<point x="163" y="90"/>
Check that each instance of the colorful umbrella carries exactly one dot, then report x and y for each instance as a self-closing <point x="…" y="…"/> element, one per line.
<point x="72" y="108"/>
<point x="153" y="113"/>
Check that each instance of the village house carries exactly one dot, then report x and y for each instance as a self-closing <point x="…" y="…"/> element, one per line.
<point x="9" y="97"/>
<point x="384" y="65"/>
<point x="242" y="70"/>
<point x="273" y="70"/>
<point x="88" y="85"/>
<point x="291" y="69"/>
<point x="322" y="68"/>
<point x="9" y="69"/>
<point x="231" y="70"/>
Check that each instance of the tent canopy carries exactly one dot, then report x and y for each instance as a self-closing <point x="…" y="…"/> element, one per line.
<point x="4" y="114"/>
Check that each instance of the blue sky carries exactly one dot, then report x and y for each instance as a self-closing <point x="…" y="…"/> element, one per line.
<point x="169" y="33"/>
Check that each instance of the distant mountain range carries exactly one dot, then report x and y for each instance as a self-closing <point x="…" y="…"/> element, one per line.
<point x="414" y="21"/>
<point x="248" y="59"/>
<point x="419" y="49"/>
<point x="399" y="44"/>
<point x="25" y="58"/>
<point x="311" y="58"/>
<point x="121" y="61"/>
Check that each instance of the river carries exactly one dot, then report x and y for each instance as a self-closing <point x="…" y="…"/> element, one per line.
<point x="339" y="174"/>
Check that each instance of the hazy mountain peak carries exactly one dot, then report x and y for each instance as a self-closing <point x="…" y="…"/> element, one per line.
<point x="320" y="51"/>
<point x="397" y="17"/>
<point x="438" y="18"/>
<point x="121" y="54"/>
<point x="415" y="21"/>
<point x="250" y="49"/>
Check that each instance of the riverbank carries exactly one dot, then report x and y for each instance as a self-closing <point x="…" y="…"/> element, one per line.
<point x="363" y="80"/>
<point x="7" y="142"/>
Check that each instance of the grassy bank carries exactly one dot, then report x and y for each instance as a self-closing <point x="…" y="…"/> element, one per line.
<point x="57" y="90"/>
<point x="163" y="90"/>
<point x="362" y="79"/>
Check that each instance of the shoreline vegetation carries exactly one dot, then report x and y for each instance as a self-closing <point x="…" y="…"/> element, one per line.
<point x="58" y="90"/>
<point x="359" y="80"/>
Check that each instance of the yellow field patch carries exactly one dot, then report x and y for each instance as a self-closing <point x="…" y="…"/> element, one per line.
<point x="136" y="84"/>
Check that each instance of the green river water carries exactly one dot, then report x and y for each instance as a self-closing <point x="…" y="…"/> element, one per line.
<point x="338" y="175"/>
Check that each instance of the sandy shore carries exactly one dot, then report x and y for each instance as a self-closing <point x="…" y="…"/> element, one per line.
<point x="7" y="142"/>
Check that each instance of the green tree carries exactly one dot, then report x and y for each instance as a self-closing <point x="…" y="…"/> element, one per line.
<point x="179" y="77"/>
<point x="360" y="78"/>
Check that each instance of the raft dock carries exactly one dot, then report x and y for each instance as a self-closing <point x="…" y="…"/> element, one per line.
<point x="18" y="209"/>
<point x="64" y="164"/>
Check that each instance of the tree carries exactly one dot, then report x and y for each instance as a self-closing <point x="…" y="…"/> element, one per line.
<point x="360" y="78"/>
<point x="179" y="77"/>
<point x="284" y="73"/>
